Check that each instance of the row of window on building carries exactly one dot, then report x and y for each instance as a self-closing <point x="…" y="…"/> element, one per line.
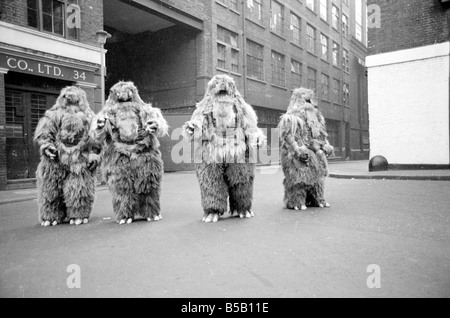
<point x="330" y="89"/>
<point x="51" y="16"/>
<point x="254" y="10"/>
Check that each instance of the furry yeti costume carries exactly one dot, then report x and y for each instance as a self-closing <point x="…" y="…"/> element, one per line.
<point x="225" y="132"/>
<point x="69" y="158"/>
<point x="304" y="151"/>
<point x="128" y="129"/>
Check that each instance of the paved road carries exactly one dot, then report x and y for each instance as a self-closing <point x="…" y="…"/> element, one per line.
<point x="402" y="226"/>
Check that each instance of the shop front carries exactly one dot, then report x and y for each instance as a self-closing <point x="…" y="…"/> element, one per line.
<point x="31" y="86"/>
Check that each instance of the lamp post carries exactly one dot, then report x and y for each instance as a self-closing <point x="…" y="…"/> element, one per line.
<point x="102" y="37"/>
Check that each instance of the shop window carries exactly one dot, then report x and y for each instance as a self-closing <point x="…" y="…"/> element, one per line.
<point x="52" y="16"/>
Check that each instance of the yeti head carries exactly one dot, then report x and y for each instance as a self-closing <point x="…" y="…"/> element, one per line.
<point x="222" y="85"/>
<point x="124" y="92"/>
<point x="73" y="96"/>
<point x="301" y="97"/>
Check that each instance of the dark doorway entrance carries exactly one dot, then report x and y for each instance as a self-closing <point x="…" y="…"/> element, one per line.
<point x="27" y="98"/>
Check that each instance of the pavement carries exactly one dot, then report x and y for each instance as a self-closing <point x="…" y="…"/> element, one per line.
<point x="338" y="170"/>
<point x="393" y="235"/>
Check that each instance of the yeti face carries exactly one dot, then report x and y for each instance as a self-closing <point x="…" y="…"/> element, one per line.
<point x="222" y="85"/>
<point x="72" y="96"/>
<point x="305" y="94"/>
<point x="123" y="92"/>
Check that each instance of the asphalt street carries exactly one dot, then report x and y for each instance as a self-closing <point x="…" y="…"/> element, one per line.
<point x="403" y="227"/>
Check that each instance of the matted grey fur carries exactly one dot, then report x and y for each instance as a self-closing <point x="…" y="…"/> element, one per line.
<point x="304" y="151"/>
<point x="69" y="158"/>
<point x="132" y="165"/>
<point x="224" y="129"/>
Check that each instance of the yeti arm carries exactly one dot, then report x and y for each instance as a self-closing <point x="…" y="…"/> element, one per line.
<point x="46" y="131"/>
<point x="100" y="128"/>
<point x="250" y="124"/>
<point x="323" y="138"/>
<point x="193" y="128"/>
<point x="155" y="122"/>
<point x="288" y="126"/>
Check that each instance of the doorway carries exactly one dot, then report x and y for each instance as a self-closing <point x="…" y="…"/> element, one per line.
<point x="23" y="111"/>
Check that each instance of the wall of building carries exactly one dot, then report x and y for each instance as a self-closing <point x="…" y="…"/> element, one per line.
<point x="56" y="61"/>
<point x="409" y="23"/>
<point x="409" y="105"/>
<point x="269" y="99"/>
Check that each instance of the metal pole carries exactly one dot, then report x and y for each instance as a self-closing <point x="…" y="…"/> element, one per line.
<point x="102" y="74"/>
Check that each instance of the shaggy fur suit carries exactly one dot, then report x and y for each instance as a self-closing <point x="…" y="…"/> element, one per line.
<point x="304" y="151"/>
<point x="225" y="133"/>
<point x="124" y="137"/>
<point x="69" y="157"/>
<point x="132" y="165"/>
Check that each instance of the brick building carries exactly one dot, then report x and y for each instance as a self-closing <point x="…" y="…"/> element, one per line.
<point x="409" y="83"/>
<point x="45" y="45"/>
<point x="171" y="49"/>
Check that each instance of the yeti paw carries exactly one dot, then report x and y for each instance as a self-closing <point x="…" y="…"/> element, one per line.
<point x="302" y="154"/>
<point x="50" y="152"/>
<point x="324" y="205"/>
<point x="211" y="217"/>
<point x="48" y="223"/>
<point x="190" y="128"/>
<point x="302" y="208"/>
<point x="101" y="122"/>
<point x="155" y="218"/>
<point x="152" y="126"/>
<point x="125" y="221"/>
<point x="79" y="221"/>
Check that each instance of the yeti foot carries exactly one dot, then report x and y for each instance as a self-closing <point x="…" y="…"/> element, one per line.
<point x="302" y="208"/>
<point x="246" y="214"/>
<point x="324" y="205"/>
<point x="211" y="217"/>
<point x="125" y="221"/>
<point x="48" y="223"/>
<point x="155" y="218"/>
<point x="79" y="221"/>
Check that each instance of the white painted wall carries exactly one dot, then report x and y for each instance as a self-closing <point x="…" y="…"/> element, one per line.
<point x="409" y="105"/>
<point x="43" y="42"/>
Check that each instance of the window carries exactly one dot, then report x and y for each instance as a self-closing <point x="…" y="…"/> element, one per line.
<point x="221" y="56"/>
<point x="346" y="94"/>
<point x="254" y="10"/>
<point x="227" y="46"/>
<point x="336" y="49"/>
<point x="311" y="38"/>
<point x="324" y="44"/>
<point x="345" y="25"/>
<point x="255" y="60"/>
<point x="312" y="79"/>
<point x="235" y="61"/>
<point x="232" y="4"/>
<point x="277" y="18"/>
<point x="324" y="9"/>
<point x="296" y="34"/>
<point x="310" y="4"/>
<point x="50" y="16"/>
<point x="325" y="83"/>
<point x="227" y="37"/>
<point x="296" y="74"/>
<point x="346" y="60"/>
<point x="278" y="70"/>
<point x="358" y="20"/>
<point x="335" y="17"/>
<point x="336" y="91"/>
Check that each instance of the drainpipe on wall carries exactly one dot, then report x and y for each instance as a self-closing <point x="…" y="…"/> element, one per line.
<point x="244" y="52"/>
